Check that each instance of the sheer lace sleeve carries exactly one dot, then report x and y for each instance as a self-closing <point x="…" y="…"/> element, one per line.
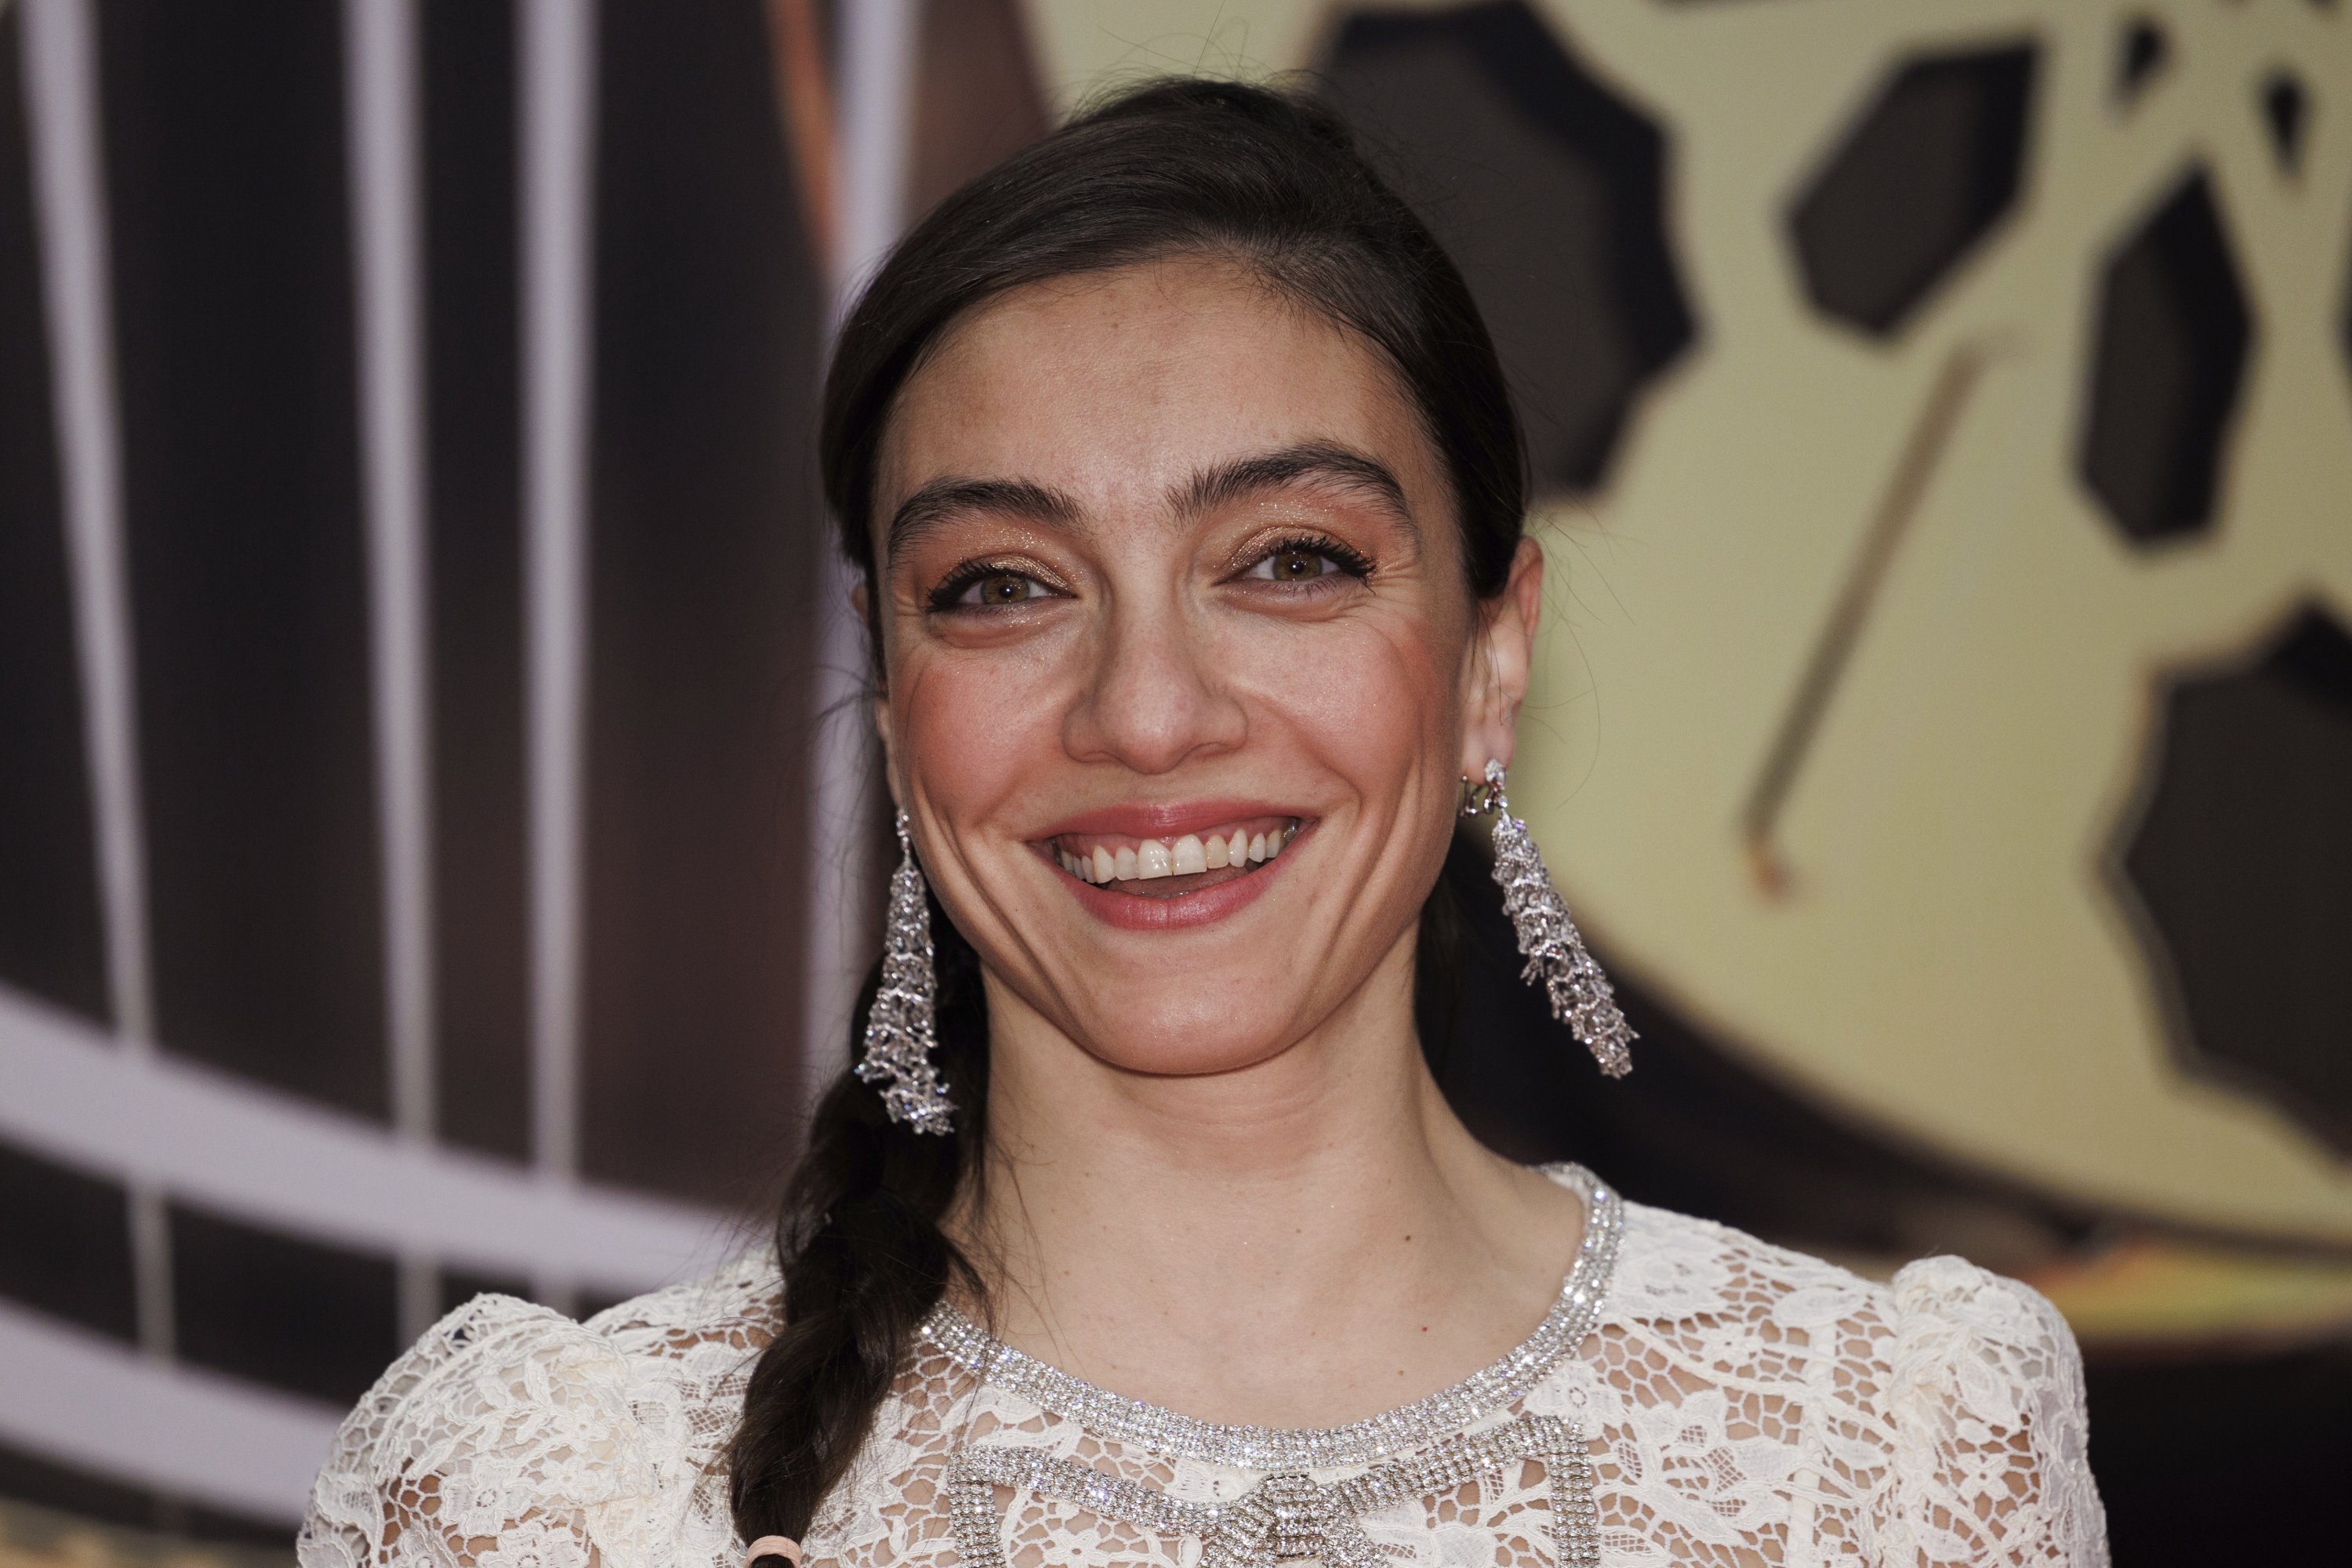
<point x="513" y="1437"/>
<point x="1985" y="1396"/>
<point x="507" y="1438"/>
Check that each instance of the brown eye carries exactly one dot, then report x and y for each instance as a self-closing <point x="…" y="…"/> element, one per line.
<point x="1304" y="562"/>
<point x="999" y="588"/>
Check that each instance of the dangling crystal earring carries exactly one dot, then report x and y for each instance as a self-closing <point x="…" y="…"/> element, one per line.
<point x="899" y="1038"/>
<point x="1581" y="997"/>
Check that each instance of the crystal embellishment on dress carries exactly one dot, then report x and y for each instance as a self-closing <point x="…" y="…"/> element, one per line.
<point x="899" y="1039"/>
<point x="1444" y="1414"/>
<point x="1290" y="1515"/>
<point x="1581" y="996"/>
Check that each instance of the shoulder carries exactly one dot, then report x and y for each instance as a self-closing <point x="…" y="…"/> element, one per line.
<point x="1941" y="1329"/>
<point x="701" y="1326"/>
<point x="1991" y="1433"/>
<point x="1950" y="1397"/>
<point x="1673" y="1266"/>
<point x="510" y="1430"/>
<point x="1959" y="1323"/>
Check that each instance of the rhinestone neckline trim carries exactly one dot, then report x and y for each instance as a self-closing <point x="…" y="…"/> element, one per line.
<point x="1114" y="1417"/>
<point x="1289" y="1516"/>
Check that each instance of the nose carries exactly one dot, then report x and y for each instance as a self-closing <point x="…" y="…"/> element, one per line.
<point x="1155" y="700"/>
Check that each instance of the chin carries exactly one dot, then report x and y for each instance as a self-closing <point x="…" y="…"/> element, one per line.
<point x="1173" y="1032"/>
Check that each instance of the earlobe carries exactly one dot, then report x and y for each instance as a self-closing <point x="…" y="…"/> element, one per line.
<point x="881" y="712"/>
<point x="1504" y="663"/>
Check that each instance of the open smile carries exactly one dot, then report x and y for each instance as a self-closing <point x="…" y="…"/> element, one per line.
<point x="1172" y="866"/>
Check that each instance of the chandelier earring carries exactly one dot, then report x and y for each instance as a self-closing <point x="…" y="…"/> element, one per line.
<point x="899" y="1032"/>
<point x="1581" y="995"/>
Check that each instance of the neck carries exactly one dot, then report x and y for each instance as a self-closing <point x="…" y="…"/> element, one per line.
<point x="1304" y="1241"/>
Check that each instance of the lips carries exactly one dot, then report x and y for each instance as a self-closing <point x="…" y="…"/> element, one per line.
<point x="1159" y="866"/>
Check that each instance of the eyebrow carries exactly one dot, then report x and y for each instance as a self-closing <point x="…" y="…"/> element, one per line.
<point x="942" y="498"/>
<point x="1326" y="460"/>
<point x="933" y="504"/>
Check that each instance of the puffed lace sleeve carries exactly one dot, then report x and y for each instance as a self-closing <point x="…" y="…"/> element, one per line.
<point x="511" y="1436"/>
<point x="1990" y="1464"/>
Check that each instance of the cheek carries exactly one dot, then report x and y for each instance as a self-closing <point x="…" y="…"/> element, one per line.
<point x="966" y="730"/>
<point x="1376" y="706"/>
<point x="1375" y="703"/>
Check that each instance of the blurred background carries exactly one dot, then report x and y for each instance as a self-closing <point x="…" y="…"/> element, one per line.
<point x="434" y="855"/>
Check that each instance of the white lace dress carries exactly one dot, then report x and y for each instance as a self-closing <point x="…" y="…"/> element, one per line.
<point x="1694" y="1396"/>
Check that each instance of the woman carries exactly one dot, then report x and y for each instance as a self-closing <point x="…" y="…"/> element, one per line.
<point x="1188" y="499"/>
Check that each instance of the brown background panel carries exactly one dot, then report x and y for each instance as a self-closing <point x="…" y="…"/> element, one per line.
<point x="467" y="61"/>
<point x="64" y="1244"/>
<point x="705" y="535"/>
<point x="976" y="96"/>
<point x="224" y="151"/>
<point x="298" y="1315"/>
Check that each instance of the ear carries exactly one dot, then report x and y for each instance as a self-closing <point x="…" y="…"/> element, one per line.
<point x="1502" y="660"/>
<point x="857" y="602"/>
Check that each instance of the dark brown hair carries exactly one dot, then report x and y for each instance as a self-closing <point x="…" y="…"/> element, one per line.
<point x="1273" y="181"/>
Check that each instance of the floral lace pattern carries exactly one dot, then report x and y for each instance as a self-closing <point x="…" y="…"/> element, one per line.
<point x="1745" y="1406"/>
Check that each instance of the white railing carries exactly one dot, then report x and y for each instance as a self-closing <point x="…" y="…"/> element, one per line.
<point x="84" y="1399"/>
<point x="223" y="1142"/>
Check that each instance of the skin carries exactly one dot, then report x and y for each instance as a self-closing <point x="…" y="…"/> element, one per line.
<point x="1220" y="1176"/>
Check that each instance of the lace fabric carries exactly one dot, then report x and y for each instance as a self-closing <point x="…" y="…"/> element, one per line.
<point x="1744" y="1405"/>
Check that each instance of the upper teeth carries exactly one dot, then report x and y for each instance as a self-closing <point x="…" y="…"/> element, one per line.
<point x="1191" y="853"/>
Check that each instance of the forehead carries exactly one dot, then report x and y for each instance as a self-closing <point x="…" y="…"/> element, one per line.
<point x="1115" y="387"/>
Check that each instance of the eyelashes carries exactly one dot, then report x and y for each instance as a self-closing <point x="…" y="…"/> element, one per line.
<point x="1297" y="563"/>
<point x="989" y="584"/>
<point x="1286" y="560"/>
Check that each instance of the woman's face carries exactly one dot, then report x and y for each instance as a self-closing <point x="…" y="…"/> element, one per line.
<point x="1182" y="668"/>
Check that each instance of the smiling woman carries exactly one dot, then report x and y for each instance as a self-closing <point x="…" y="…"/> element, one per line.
<point x="1177" y="564"/>
<point x="1186" y="499"/>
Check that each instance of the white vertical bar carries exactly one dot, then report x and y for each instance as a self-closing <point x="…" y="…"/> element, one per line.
<point x="70" y="175"/>
<point x="878" y="110"/>
<point x="558" y="94"/>
<point x="877" y="107"/>
<point x="61" y="68"/>
<point x="382" y="101"/>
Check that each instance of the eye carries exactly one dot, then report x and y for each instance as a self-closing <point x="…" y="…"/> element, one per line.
<point x="1308" y="560"/>
<point x="984" y="586"/>
<point x="1000" y="588"/>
